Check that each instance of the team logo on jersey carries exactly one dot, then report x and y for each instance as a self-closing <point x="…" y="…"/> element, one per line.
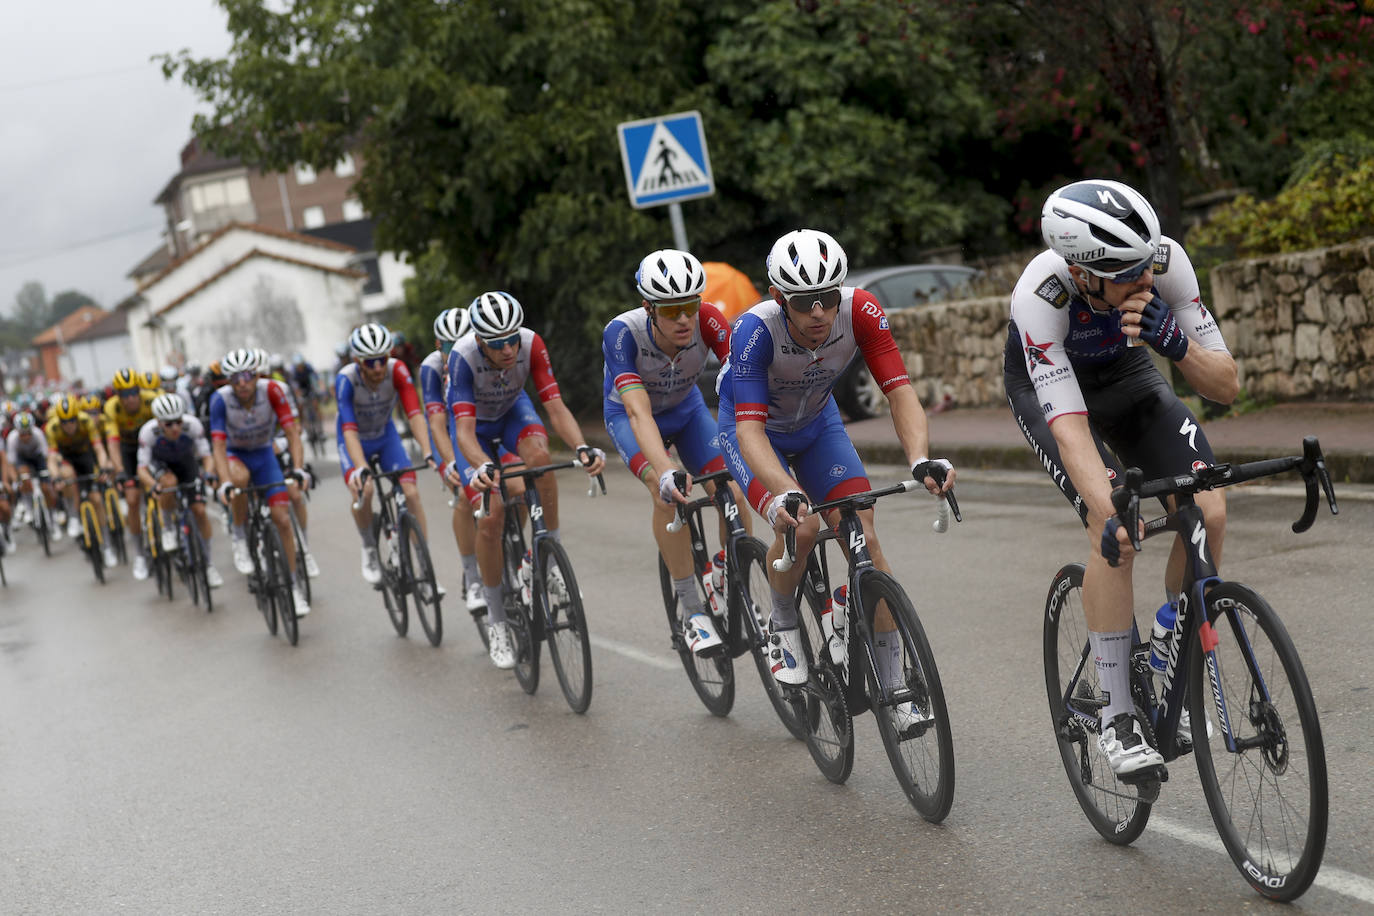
<point x="1053" y="292"/>
<point x="882" y="323"/>
<point x="1035" y="354"/>
<point x="720" y="335"/>
<point x="1085" y="317"/>
<point x="1161" y="264"/>
<point x="837" y="471"/>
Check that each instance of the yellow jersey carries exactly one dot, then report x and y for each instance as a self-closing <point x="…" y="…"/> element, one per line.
<point x="124" y="426"/>
<point x="79" y="442"/>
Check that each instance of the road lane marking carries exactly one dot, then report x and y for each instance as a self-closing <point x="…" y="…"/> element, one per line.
<point x="1336" y="880"/>
<point x="639" y="655"/>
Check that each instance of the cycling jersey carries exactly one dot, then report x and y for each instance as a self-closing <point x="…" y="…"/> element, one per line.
<point x="1061" y="336"/>
<point x="33" y="451"/>
<point x="156" y="449"/>
<point x="634" y="360"/>
<point x="367" y="410"/>
<point x="774" y="379"/>
<point x="120" y="424"/>
<point x="477" y="388"/>
<point x="249" y="427"/>
<point x="433" y="381"/>
<point x="78" y="442"/>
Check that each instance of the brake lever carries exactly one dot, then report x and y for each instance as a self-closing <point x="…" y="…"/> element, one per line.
<point x="789" y="537"/>
<point x="679" y="517"/>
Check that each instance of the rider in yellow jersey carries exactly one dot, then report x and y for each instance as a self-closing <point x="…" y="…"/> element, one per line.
<point x="125" y="413"/>
<point x="76" y="449"/>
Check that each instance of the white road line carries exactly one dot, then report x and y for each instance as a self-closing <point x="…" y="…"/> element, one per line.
<point x="1336" y="880"/>
<point x="639" y="655"/>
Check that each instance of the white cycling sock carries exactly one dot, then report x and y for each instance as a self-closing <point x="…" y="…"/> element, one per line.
<point x="688" y="598"/>
<point x="365" y="532"/>
<point x="496" y="608"/>
<point x="470" y="567"/>
<point x="887" y="648"/>
<point x="1112" y="654"/>
<point x="784" y="612"/>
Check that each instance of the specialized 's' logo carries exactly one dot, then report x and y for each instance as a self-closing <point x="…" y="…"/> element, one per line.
<point x="1189" y="429"/>
<point x="1199" y="537"/>
<point x="1106" y="198"/>
<point x="1035" y="354"/>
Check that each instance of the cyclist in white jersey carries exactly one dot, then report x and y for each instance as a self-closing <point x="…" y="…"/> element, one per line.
<point x="777" y="411"/>
<point x="1081" y="390"/>
<point x="654" y="355"/>
<point x="173" y="450"/>
<point x="487" y="371"/>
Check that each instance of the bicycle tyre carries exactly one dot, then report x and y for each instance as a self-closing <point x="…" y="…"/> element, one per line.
<point x="418" y="573"/>
<point x="298" y="539"/>
<point x="570" y="647"/>
<point x="90" y="540"/>
<point x="196" y="564"/>
<point x="925" y="774"/>
<point x="162" y="564"/>
<point x="751" y="560"/>
<point x="828" y="722"/>
<point x="42" y="524"/>
<point x="712" y="678"/>
<point x="1112" y="807"/>
<point x="1261" y="830"/>
<point x="280" y="578"/>
<point x="114" y="525"/>
<point x="393" y="597"/>
<point x="259" y="581"/>
<point x="524" y="628"/>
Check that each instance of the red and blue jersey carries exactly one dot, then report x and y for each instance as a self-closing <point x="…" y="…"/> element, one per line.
<point x="367" y="410"/>
<point x="634" y="360"/>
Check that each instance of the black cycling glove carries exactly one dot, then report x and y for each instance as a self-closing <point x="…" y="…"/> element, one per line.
<point x="1159" y="329"/>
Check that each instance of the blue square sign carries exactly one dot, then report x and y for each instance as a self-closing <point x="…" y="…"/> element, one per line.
<point x="665" y="159"/>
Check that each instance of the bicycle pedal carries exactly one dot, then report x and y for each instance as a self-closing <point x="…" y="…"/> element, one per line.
<point x="1146" y="782"/>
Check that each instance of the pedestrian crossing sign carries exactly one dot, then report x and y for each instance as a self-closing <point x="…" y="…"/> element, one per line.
<point x="665" y="159"/>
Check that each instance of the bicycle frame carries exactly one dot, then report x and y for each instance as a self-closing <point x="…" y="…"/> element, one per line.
<point x="736" y="637"/>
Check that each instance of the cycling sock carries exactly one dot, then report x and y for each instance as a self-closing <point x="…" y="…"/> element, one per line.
<point x="887" y="651"/>
<point x="688" y="598"/>
<point x="239" y="533"/>
<point x="1112" y="652"/>
<point x="365" y="532"/>
<point x="784" y="612"/>
<point x="496" y="608"/>
<point x="470" y="567"/>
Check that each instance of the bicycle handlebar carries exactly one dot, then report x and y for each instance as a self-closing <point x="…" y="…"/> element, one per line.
<point x="485" y="509"/>
<point x="861" y="500"/>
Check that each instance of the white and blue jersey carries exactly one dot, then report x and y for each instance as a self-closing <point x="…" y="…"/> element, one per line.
<point x="367" y="411"/>
<point x="247" y="428"/>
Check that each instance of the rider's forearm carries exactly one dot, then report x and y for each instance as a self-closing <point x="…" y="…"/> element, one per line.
<point x="762" y="460"/>
<point x="354" y="446"/>
<point x="294" y="446"/>
<point x="420" y="430"/>
<point x="1084" y="465"/>
<point x="909" y="422"/>
<point x="466" y="435"/>
<point x="564" y="423"/>
<point x="1212" y="373"/>
<point x="646" y="432"/>
<point x="438" y="431"/>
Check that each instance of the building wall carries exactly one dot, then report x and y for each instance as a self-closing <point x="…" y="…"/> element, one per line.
<point x="394" y="273"/>
<point x="93" y="363"/>
<point x="328" y="191"/>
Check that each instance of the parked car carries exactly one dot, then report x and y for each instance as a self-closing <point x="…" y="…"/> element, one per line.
<point x="896" y="288"/>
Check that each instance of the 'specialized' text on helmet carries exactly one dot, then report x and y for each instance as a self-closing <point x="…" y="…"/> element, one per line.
<point x="806" y="260"/>
<point x="168" y="407"/>
<point x="1105" y="227"/>
<point x="669" y="274"/>
<point x="495" y="314"/>
<point x="369" y="341"/>
<point x="451" y="324"/>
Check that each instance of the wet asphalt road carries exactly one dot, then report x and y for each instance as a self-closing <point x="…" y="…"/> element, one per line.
<point x="155" y="759"/>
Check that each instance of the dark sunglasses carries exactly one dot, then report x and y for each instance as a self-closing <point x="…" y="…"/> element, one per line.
<point x="500" y="343"/>
<point x="374" y="362"/>
<point x="1131" y="274"/>
<point x="245" y="376"/>
<point x="167" y="423"/>
<point x="675" y="310"/>
<point x="828" y="300"/>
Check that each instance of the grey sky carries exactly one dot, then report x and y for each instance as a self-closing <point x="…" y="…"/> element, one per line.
<point x="89" y="133"/>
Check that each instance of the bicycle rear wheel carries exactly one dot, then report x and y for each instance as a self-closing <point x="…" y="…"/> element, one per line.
<point x="828" y="722"/>
<point x="419" y="579"/>
<point x="1076" y="702"/>
<point x="566" y="624"/>
<point x="751" y="560"/>
<point x="712" y="678"/>
<point x="921" y="752"/>
<point x="1263" y="771"/>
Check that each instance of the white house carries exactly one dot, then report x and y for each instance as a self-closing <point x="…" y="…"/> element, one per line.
<point x="95" y="353"/>
<point x="248" y="285"/>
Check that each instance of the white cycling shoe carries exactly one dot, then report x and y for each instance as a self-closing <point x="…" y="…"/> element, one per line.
<point x="476" y="597"/>
<point x="243" y="561"/>
<point x="501" y="650"/>
<point x="700" y="631"/>
<point x="110" y="557"/>
<point x="298" y="599"/>
<point x="213" y="578"/>
<point x="73" y="527"/>
<point x="140" y="568"/>
<point x="169" y="540"/>
<point x="785" y="657"/>
<point x="1185" y="728"/>
<point x="372" y="566"/>
<point x="1125" y="747"/>
<point x="312" y="569"/>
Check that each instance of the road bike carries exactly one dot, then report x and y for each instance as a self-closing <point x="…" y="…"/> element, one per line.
<point x="910" y="710"/>
<point x="114" y="520"/>
<point x="404" y="556"/>
<point x="479" y="614"/>
<point x="90" y="489"/>
<point x="740" y="612"/>
<point x="39" y="514"/>
<point x="313" y="423"/>
<point x="159" y="560"/>
<point x="1263" y="767"/>
<point x="190" y="560"/>
<point x="542" y="599"/>
<point x="270" y="580"/>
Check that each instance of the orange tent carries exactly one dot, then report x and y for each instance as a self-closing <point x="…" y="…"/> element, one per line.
<point x="729" y="289"/>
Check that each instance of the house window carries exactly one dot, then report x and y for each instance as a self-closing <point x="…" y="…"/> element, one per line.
<point x="353" y="210"/>
<point x="313" y="217"/>
<point x="345" y="167"/>
<point x="211" y="195"/>
<point x="304" y="174"/>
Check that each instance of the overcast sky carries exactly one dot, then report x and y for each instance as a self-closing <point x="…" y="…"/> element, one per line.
<point x="89" y="133"/>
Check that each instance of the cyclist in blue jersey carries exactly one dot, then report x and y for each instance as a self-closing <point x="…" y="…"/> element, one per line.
<point x="781" y="430"/>
<point x="654" y="355"/>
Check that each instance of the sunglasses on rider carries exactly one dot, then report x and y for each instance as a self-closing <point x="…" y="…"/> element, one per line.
<point x="1133" y="273"/>
<point x="166" y="423"/>
<point x="240" y="377"/>
<point x="675" y="310"/>
<point x="373" y="362"/>
<point x="827" y="299"/>
<point x="500" y="343"/>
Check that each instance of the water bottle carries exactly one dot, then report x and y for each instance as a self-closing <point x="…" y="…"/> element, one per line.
<point x="1162" y="637"/>
<point x="833" y="625"/>
<point x="527" y="579"/>
<point x="718" y="573"/>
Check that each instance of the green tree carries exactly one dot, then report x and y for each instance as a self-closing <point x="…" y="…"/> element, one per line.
<point x="66" y="302"/>
<point x="31" y="310"/>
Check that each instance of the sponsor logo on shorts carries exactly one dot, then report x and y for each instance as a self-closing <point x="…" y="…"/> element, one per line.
<point x="837" y="471"/>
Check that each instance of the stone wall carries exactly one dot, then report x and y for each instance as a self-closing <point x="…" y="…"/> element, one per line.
<point x="1301" y="325"/>
<point x="955" y="348"/>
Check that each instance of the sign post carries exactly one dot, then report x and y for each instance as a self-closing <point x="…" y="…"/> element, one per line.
<point x="666" y="162"/>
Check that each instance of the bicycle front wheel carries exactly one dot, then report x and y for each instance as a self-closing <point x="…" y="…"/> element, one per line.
<point x="260" y="580"/>
<point x="1076" y="702"/>
<point x="751" y="559"/>
<point x="565" y="624"/>
<point x="279" y="581"/>
<point x="712" y="678"/>
<point x="1263" y="770"/>
<point x="419" y="579"/>
<point x="915" y="724"/>
<point x="298" y="545"/>
<point x="829" y="723"/>
<point x="393" y="594"/>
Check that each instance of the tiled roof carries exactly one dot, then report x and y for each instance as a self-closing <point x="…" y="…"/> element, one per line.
<point x="257" y="253"/>
<point x="69" y="326"/>
<point x="113" y="324"/>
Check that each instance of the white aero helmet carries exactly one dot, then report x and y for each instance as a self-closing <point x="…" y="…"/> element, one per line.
<point x="670" y="274"/>
<point x="1103" y="226"/>
<point x="168" y="407"/>
<point x="240" y="360"/>
<point x="806" y="260"/>
<point x="495" y="314"/>
<point x="369" y="341"/>
<point x="451" y="324"/>
<point x="168" y="373"/>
